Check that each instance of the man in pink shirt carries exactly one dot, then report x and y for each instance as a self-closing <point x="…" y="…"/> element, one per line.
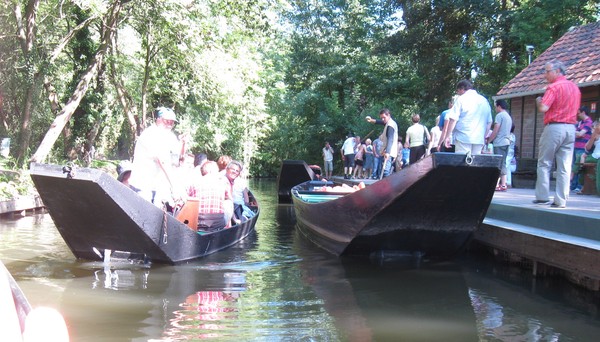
<point x="559" y="105"/>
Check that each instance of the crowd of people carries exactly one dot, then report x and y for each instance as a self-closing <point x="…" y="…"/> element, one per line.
<point x="163" y="173"/>
<point x="569" y="138"/>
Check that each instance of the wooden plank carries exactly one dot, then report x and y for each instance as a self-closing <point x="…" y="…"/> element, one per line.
<point x="562" y="254"/>
<point x="20" y="204"/>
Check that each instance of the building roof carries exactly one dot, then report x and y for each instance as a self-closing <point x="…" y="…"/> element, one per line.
<point x="578" y="49"/>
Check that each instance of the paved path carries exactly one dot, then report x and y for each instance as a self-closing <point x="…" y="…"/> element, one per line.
<point x="582" y="205"/>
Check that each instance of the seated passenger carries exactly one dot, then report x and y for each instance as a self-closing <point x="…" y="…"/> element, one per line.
<point x="199" y="160"/>
<point x="222" y="162"/>
<point x="239" y="189"/>
<point x="212" y="191"/>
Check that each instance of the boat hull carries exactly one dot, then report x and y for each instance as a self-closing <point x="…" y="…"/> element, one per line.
<point x="429" y="209"/>
<point x="15" y="306"/>
<point x="95" y="213"/>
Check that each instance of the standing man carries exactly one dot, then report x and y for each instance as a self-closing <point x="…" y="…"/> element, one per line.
<point x="389" y="139"/>
<point x="377" y="158"/>
<point x="501" y="138"/>
<point x="328" y="159"/>
<point x="559" y="105"/>
<point x="468" y="121"/>
<point x="348" y="155"/>
<point x="156" y="152"/>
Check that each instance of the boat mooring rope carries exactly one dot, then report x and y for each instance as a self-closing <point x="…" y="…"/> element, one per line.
<point x="165" y="233"/>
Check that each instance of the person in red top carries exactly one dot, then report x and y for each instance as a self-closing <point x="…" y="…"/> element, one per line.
<point x="212" y="190"/>
<point x="559" y="105"/>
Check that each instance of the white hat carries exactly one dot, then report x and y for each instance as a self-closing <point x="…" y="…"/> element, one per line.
<point x="165" y="113"/>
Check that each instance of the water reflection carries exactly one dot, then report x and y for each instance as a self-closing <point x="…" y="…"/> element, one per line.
<point x="276" y="286"/>
<point x="511" y="305"/>
<point x="120" y="279"/>
<point x="383" y="300"/>
<point x="205" y="314"/>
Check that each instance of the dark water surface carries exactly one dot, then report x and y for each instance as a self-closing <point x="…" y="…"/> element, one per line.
<point x="275" y="286"/>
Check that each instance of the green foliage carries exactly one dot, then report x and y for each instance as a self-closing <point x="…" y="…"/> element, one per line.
<point x="265" y="80"/>
<point x="14" y="182"/>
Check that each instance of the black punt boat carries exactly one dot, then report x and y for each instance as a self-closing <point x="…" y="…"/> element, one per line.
<point x="429" y="209"/>
<point x="293" y="172"/>
<point x="96" y="214"/>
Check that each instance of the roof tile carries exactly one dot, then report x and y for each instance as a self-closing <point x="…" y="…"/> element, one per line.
<point x="579" y="49"/>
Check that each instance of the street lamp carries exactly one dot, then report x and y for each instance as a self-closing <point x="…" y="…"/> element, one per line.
<point x="530" y="50"/>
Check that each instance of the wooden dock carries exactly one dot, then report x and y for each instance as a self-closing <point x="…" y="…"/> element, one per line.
<point x="20" y="205"/>
<point x="549" y="240"/>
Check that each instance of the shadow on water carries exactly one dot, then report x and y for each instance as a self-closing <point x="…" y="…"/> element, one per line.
<point x="277" y="286"/>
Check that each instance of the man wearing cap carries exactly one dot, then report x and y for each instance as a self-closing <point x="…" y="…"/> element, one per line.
<point x="156" y="151"/>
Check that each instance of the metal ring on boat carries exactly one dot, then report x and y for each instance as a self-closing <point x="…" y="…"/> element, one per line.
<point x="69" y="169"/>
<point x="469" y="158"/>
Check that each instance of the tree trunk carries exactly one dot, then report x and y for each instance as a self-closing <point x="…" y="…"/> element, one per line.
<point x="67" y="111"/>
<point x="26" y="34"/>
<point x="123" y="96"/>
<point x="149" y="55"/>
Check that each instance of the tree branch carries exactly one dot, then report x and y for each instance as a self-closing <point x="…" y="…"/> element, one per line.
<point x="59" y="48"/>
<point x="65" y="114"/>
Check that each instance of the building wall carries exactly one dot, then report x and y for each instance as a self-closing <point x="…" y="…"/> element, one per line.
<point x="590" y="97"/>
<point x="529" y="123"/>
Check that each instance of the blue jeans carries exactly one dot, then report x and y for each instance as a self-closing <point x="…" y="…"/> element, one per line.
<point x="387" y="168"/>
<point x="376" y="167"/>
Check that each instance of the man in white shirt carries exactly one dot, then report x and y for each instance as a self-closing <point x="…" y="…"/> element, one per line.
<point x="348" y="153"/>
<point x="156" y="151"/>
<point x="469" y="120"/>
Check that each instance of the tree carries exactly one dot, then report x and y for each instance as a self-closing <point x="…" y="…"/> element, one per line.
<point x="26" y="27"/>
<point x="65" y="114"/>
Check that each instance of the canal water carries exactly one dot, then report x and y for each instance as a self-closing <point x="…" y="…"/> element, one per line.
<point x="276" y="286"/>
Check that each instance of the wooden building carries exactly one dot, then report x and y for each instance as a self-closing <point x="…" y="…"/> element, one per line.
<point x="579" y="49"/>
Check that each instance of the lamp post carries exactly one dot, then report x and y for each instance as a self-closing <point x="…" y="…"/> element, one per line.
<point x="530" y="50"/>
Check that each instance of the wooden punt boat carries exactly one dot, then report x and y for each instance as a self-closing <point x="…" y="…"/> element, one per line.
<point x="292" y="173"/>
<point x="96" y="214"/>
<point x="430" y="208"/>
